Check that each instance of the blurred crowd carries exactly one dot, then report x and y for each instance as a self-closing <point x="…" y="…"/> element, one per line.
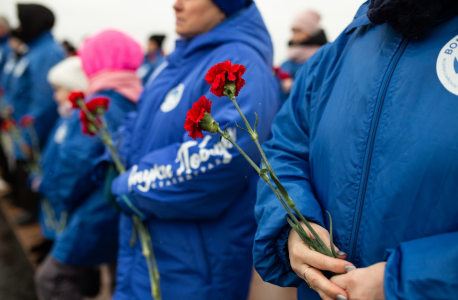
<point x="348" y="131"/>
<point x="77" y="215"/>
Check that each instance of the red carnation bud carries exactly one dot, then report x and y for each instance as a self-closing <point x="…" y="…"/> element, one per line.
<point x="199" y="119"/>
<point x="87" y="125"/>
<point x="26" y="121"/>
<point x="98" y="105"/>
<point x="226" y="79"/>
<point x="76" y="97"/>
<point x="8" y="124"/>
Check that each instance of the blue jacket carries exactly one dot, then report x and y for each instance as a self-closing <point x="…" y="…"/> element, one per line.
<point x="370" y="135"/>
<point x="148" y="66"/>
<point x="5" y="50"/>
<point x="27" y="87"/>
<point x="197" y="197"/>
<point x="90" y="234"/>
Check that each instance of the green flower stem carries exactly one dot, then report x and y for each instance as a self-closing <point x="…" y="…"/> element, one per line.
<point x="228" y="137"/>
<point x="35" y="144"/>
<point x="258" y="170"/>
<point x="254" y="136"/>
<point x="148" y="253"/>
<point x="139" y="227"/>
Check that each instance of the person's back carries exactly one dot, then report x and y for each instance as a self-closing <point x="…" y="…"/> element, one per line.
<point x="373" y="122"/>
<point x="196" y="196"/>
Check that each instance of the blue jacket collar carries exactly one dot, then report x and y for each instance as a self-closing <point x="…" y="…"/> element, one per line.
<point x="41" y="38"/>
<point x="245" y="26"/>
<point x="360" y="19"/>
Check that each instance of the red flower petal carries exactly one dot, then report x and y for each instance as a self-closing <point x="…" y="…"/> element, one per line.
<point x="27" y="120"/>
<point x="218" y="74"/>
<point x="74" y="96"/>
<point x="195" y="114"/>
<point x="98" y="102"/>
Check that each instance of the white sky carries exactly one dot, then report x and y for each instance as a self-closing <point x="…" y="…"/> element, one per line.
<point x="140" y="18"/>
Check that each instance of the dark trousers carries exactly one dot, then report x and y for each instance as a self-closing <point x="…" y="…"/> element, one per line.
<point x="22" y="196"/>
<point x="57" y="281"/>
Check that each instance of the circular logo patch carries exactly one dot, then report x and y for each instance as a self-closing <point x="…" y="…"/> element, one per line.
<point x="447" y="66"/>
<point x="172" y="98"/>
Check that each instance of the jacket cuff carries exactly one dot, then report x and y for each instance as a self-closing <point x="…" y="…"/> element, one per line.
<point x="281" y="246"/>
<point x="119" y="186"/>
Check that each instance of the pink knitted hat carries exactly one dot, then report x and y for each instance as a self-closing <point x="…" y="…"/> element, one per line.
<point x="110" y="50"/>
<point x="307" y="21"/>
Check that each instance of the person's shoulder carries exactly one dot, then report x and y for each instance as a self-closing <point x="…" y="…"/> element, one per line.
<point x="237" y="53"/>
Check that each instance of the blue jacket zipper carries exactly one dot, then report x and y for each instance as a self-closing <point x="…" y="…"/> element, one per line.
<point x="370" y="147"/>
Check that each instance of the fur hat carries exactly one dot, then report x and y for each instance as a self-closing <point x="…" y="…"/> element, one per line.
<point x="69" y="74"/>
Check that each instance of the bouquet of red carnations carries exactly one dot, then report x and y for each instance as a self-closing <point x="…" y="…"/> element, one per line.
<point x="226" y="80"/>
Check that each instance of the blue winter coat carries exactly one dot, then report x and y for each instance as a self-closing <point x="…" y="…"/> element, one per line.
<point x="197" y="197"/>
<point x="370" y="135"/>
<point x="28" y="90"/>
<point x="90" y="234"/>
<point x="5" y="50"/>
<point x="148" y="66"/>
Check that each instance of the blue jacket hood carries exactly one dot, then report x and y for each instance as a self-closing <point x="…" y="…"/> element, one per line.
<point x="246" y="26"/>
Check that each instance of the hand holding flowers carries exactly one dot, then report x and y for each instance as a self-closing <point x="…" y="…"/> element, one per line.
<point x="226" y="80"/>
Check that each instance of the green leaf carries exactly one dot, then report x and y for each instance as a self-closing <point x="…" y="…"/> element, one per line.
<point x="333" y="250"/>
<point x="241" y="127"/>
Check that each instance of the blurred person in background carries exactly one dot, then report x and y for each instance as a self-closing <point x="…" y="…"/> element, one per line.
<point x="29" y="93"/>
<point x="4" y="47"/>
<point x="64" y="77"/>
<point x="199" y="215"/>
<point x="70" y="50"/>
<point x="369" y="134"/>
<point x="90" y="233"/>
<point x="307" y="38"/>
<point x="153" y="58"/>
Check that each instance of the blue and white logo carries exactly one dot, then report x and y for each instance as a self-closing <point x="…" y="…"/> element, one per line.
<point x="172" y="98"/>
<point x="447" y="66"/>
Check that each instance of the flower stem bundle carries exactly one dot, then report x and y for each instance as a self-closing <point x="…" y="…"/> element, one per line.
<point x="92" y="117"/>
<point x="226" y="80"/>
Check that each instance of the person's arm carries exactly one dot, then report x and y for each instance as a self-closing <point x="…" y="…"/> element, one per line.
<point x="426" y="268"/>
<point x="200" y="179"/>
<point x="288" y="154"/>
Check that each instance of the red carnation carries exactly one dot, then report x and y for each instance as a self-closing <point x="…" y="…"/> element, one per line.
<point x="100" y="102"/>
<point x="195" y="115"/>
<point x="74" y="97"/>
<point x="87" y="126"/>
<point x="8" y="124"/>
<point x="26" y="121"/>
<point x="222" y="74"/>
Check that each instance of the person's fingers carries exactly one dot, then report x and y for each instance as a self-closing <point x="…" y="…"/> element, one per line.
<point x="321" y="284"/>
<point x="341" y="281"/>
<point x="325" y="263"/>
<point x="325" y="237"/>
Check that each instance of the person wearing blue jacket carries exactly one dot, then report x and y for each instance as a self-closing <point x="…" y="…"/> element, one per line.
<point x="29" y="93"/>
<point x="369" y="134"/>
<point x="4" y="47"/>
<point x="196" y="197"/>
<point x="153" y="58"/>
<point x="86" y="235"/>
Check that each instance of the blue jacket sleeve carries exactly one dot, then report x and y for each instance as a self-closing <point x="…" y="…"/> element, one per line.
<point x="426" y="268"/>
<point x="199" y="179"/>
<point x="42" y="106"/>
<point x="288" y="153"/>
